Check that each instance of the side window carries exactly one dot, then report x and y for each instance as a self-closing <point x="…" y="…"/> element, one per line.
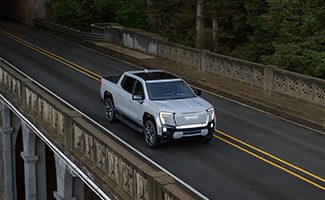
<point x="138" y="89"/>
<point x="128" y="83"/>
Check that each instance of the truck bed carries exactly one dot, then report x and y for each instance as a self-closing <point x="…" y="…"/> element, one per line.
<point x="113" y="79"/>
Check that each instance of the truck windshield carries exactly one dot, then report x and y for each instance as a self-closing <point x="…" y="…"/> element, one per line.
<point x="166" y="90"/>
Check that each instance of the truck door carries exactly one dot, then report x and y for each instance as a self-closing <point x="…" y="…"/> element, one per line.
<point x="136" y="105"/>
<point x="125" y="96"/>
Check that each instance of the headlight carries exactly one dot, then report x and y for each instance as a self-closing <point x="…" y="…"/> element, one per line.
<point x="210" y="114"/>
<point x="167" y="118"/>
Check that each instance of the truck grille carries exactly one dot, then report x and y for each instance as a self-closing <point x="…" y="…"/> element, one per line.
<point x="183" y="119"/>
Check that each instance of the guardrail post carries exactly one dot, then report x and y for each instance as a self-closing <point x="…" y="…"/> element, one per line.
<point x="269" y="77"/>
<point x="203" y="59"/>
<point x="70" y="130"/>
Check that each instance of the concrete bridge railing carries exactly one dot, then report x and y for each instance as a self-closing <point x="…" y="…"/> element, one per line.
<point x="114" y="170"/>
<point x="268" y="78"/>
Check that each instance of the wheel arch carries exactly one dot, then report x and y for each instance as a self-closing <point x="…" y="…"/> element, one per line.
<point x="148" y="116"/>
<point x="108" y="95"/>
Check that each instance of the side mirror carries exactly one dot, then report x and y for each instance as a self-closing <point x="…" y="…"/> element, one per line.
<point x="137" y="97"/>
<point x="198" y="92"/>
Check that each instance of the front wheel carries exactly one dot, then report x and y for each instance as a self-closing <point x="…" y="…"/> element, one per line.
<point x="150" y="134"/>
<point x="109" y="110"/>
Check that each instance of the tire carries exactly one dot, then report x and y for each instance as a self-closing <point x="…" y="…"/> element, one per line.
<point x="150" y="134"/>
<point x="207" y="138"/>
<point x="110" y="110"/>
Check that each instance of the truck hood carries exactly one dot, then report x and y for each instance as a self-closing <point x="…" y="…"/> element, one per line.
<point x="183" y="105"/>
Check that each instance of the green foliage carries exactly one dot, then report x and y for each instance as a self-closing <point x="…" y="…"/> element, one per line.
<point x="130" y="13"/>
<point x="231" y="18"/>
<point x="299" y="42"/>
<point x="175" y="20"/>
<point x="259" y="40"/>
<point x="288" y="34"/>
<point x="80" y="14"/>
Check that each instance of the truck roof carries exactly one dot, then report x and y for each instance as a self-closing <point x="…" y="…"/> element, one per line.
<point x="149" y="75"/>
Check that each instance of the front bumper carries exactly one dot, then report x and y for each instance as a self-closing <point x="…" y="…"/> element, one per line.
<point x="171" y="133"/>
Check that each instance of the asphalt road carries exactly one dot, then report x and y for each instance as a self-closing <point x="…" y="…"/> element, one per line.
<point x="252" y="156"/>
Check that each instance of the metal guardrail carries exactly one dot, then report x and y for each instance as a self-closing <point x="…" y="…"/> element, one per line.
<point x="70" y="31"/>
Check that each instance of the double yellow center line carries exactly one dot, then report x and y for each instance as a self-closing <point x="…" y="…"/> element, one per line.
<point x="221" y="136"/>
<point x="280" y="161"/>
<point x="53" y="56"/>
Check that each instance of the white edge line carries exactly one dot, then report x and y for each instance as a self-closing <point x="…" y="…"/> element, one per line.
<point x="111" y="133"/>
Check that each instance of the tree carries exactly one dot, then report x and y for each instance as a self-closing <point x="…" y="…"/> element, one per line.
<point x="151" y="23"/>
<point x="130" y="13"/>
<point x="298" y="28"/>
<point x="215" y="38"/>
<point x="175" y="20"/>
<point x="199" y="23"/>
<point x="227" y="19"/>
<point x="259" y="41"/>
<point x="214" y="10"/>
<point x="80" y="14"/>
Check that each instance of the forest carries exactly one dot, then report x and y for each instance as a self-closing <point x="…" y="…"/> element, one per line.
<point x="289" y="34"/>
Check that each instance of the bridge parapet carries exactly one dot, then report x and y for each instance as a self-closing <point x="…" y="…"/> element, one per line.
<point x="114" y="170"/>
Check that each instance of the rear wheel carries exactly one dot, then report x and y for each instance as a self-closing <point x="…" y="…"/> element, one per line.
<point x="150" y="134"/>
<point x="109" y="110"/>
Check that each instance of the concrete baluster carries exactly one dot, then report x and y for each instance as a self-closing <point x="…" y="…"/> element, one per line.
<point x="30" y="159"/>
<point x="64" y="181"/>
<point x="7" y="130"/>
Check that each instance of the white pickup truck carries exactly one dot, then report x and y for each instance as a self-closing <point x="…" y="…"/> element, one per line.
<point x="159" y="104"/>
